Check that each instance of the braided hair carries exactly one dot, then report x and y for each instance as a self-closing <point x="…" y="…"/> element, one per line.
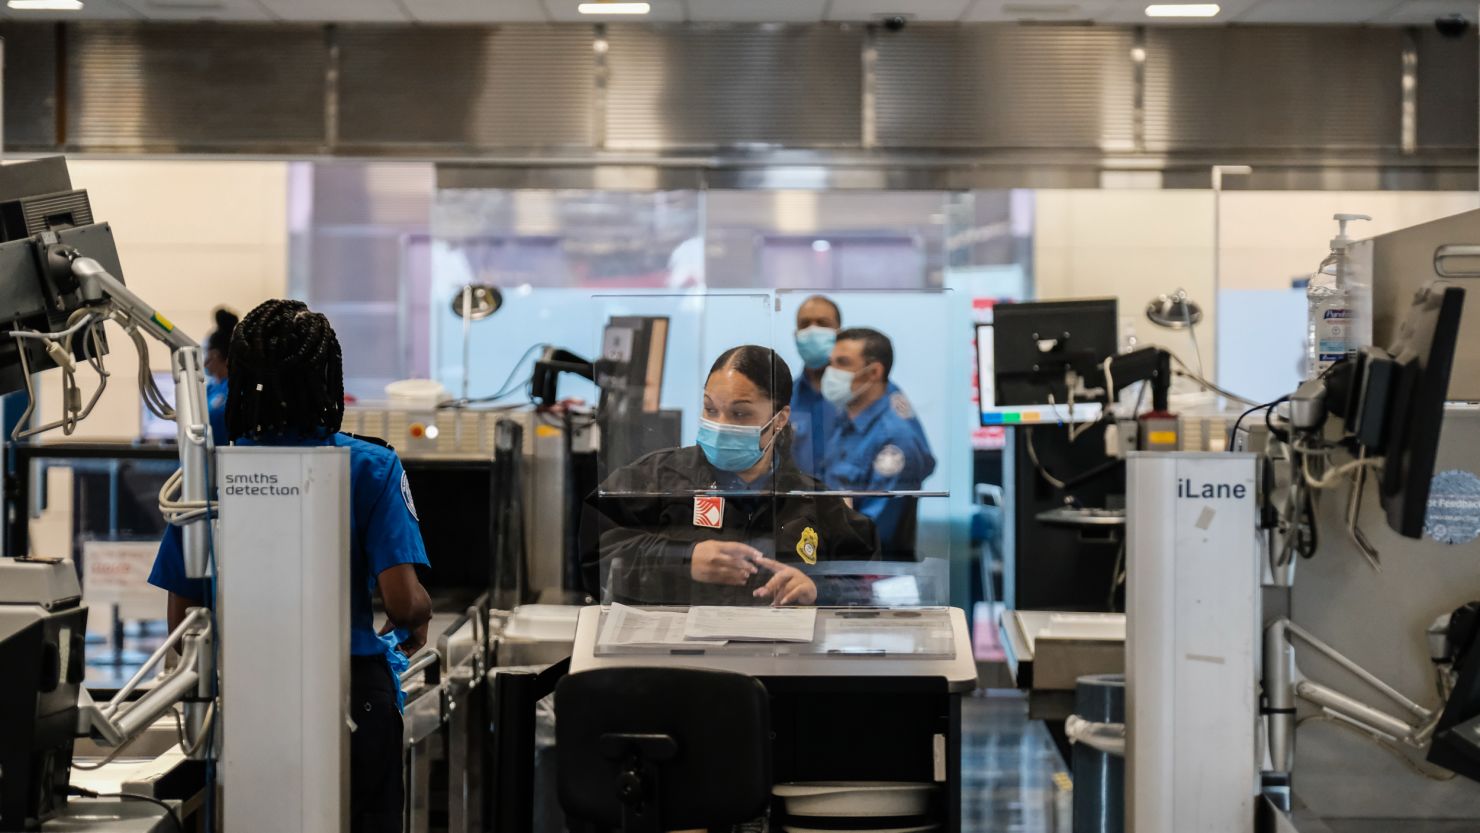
<point x="287" y="374"/>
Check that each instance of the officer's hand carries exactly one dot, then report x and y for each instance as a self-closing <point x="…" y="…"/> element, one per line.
<point x="723" y="562"/>
<point x="416" y="641"/>
<point x="413" y="643"/>
<point x="788" y="585"/>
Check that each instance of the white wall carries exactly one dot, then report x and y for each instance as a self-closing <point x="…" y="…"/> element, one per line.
<point x="192" y="235"/>
<point x="1270" y="237"/>
<point x="1133" y="245"/>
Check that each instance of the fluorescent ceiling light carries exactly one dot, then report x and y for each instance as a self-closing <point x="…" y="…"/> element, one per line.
<point x="46" y="5"/>
<point x="1183" y="10"/>
<point x="614" y="8"/>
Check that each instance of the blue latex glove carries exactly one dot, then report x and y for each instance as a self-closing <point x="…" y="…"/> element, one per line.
<point x="399" y="662"/>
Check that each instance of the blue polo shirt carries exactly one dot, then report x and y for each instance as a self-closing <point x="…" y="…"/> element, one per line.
<point x="216" y="392"/>
<point x="813" y="419"/>
<point x="384" y="533"/>
<point x="883" y="449"/>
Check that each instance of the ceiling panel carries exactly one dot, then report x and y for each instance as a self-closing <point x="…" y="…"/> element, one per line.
<point x="496" y="86"/>
<point x="1005" y="87"/>
<point x="922" y="10"/>
<point x="1037" y="10"/>
<point x="704" y="86"/>
<point x="199" y="9"/>
<point x="337" y="10"/>
<point x="476" y="11"/>
<point x="663" y="11"/>
<point x="1424" y="11"/>
<point x="756" y="11"/>
<point x="1315" y="11"/>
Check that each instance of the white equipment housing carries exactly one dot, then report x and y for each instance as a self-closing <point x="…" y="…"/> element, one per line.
<point x="283" y="584"/>
<point x="1192" y="637"/>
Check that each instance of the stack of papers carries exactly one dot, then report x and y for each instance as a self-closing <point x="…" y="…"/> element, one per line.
<point x="751" y="624"/>
<point x="627" y="627"/>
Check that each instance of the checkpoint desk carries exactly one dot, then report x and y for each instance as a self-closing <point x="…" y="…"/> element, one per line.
<point x="876" y="696"/>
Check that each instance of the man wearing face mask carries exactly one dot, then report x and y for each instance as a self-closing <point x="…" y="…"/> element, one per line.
<point x="720" y="522"/>
<point x="812" y="416"/>
<point x="878" y="444"/>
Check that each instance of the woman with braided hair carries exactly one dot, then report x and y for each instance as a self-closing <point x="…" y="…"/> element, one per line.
<point x="287" y="388"/>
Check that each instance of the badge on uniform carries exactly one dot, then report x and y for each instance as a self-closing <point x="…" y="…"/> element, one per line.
<point x="807" y="545"/>
<point x="709" y="511"/>
<point x="901" y="406"/>
<point x="889" y="461"/>
<point x="406" y="496"/>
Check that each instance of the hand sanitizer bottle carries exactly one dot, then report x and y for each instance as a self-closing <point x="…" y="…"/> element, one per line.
<point x="1333" y="307"/>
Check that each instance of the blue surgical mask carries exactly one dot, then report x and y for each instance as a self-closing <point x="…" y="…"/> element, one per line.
<point x="732" y="447"/>
<point x="837" y="387"/>
<point x="815" y="343"/>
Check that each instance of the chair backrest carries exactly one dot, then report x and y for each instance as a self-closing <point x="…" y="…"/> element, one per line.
<point x="662" y="748"/>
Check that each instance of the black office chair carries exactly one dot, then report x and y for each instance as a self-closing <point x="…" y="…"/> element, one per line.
<point x="653" y="749"/>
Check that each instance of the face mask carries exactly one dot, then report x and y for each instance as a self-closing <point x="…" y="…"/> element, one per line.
<point x="837" y="386"/>
<point x="815" y="344"/>
<point x="732" y="447"/>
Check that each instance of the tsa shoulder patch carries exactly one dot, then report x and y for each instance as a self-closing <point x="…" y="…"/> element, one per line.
<point x="901" y="406"/>
<point x="807" y="546"/>
<point x="709" y="511"/>
<point x="889" y="461"/>
<point x="406" y="496"/>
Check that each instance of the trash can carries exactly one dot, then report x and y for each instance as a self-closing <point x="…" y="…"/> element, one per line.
<point x="1099" y="777"/>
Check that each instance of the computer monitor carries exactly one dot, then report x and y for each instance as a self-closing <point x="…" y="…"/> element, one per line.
<point x="151" y="427"/>
<point x="633" y="352"/>
<point x="37" y="199"/>
<point x="1423" y="356"/>
<point x="1025" y="354"/>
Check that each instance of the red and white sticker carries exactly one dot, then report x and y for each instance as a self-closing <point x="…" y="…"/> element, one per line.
<point x="709" y="511"/>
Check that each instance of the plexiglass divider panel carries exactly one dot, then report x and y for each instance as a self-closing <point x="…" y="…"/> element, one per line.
<point x="707" y="502"/>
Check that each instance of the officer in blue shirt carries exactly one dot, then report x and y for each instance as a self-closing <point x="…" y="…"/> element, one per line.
<point x="812" y="416"/>
<point x="288" y="389"/>
<point x="218" y="344"/>
<point x="877" y="445"/>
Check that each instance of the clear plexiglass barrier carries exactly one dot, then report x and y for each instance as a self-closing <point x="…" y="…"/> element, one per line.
<point x="799" y="468"/>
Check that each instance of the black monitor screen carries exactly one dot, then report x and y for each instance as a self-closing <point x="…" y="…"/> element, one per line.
<point x="1036" y="344"/>
<point x="1424" y="354"/>
<point x="454" y="502"/>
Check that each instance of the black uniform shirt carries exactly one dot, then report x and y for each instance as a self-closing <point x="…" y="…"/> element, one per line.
<point x="641" y="525"/>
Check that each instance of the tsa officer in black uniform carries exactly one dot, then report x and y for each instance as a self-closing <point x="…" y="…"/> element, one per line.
<point x="721" y="522"/>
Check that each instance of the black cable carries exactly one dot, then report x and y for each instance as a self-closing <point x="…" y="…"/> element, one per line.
<point x="503" y="390"/>
<point x="174" y="817"/>
<point x="1279" y="433"/>
<point x="1233" y="435"/>
<point x="1308" y="511"/>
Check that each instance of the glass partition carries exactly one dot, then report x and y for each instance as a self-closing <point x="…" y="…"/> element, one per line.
<point x="721" y="501"/>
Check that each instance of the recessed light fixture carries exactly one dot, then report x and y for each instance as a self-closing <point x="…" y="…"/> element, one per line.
<point x="1183" y="10"/>
<point x="45" y="5"/>
<point x="614" y="8"/>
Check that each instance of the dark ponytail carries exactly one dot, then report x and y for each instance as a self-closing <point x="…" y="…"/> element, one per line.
<point x="220" y="338"/>
<point x="766" y="370"/>
<point x="287" y="374"/>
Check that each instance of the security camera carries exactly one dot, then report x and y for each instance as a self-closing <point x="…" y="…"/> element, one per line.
<point x="1452" y="25"/>
<point x="897" y="22"/>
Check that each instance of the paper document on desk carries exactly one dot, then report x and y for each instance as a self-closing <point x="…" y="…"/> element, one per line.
<point x="629" y="626"/>
<point x="752" y="624"/>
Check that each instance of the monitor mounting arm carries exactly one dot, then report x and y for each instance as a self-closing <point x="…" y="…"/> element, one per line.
<point x="1148" y="364"/>
<point x="191" y="681"/>
<point x="1284" y="683"/>
<point x="108" y="294"/>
